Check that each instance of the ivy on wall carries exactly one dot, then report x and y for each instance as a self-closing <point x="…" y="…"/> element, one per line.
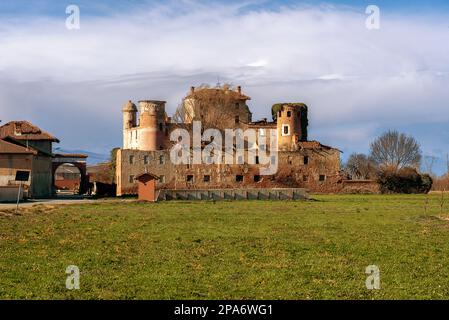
<point x="304" y="115"/>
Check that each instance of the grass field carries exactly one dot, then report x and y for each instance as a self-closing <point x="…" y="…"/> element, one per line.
<point x="317" y="249"/>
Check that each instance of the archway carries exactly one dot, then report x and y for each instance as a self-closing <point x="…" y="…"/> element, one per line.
<point x="67" y="179"/>
<point x="77" y="161"/>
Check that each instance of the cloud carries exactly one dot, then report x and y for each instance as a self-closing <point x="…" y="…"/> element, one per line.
<point x="356" y="81"/>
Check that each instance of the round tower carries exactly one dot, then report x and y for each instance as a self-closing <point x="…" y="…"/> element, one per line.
<point x="152" y="125"/>
<point x="291" y="125"/>
<point x="129" y="115"/>
<point x="129" y="122"/>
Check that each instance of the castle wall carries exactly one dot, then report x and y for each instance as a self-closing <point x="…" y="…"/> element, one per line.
<point x="319" y="173"/>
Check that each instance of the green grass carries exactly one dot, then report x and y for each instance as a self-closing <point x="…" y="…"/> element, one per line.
<point x="229" y="250"/>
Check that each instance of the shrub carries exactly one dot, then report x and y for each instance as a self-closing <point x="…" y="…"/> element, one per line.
<point x="406" y="180"/>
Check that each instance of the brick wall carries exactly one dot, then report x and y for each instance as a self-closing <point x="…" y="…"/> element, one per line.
<point x="314" y="169"/>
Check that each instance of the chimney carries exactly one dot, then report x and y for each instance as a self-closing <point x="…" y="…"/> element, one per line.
<point x="192" y="90"/>
<point x="17" y="128"/>
<point x="239" y="89"/>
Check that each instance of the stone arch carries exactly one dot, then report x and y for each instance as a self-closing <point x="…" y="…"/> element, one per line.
<point x="80" y="164"/>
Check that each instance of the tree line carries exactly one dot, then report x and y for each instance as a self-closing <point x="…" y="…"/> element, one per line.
<point x="394" y="161"/>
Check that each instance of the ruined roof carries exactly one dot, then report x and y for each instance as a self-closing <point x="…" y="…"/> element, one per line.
<point x="24" y="130"/>
<point x="314" y="145"/>
<point x="10" y="148"/>
<point x="237" y="95"/>
<point x="263" y="123"/>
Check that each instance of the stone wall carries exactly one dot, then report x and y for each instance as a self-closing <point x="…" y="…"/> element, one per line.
<point x="10" y="164"/>
<point x="360" y="187"/>
<point x="234" y="194"/>
<point x="313" y="169"/>
<point x="10" y="193"/>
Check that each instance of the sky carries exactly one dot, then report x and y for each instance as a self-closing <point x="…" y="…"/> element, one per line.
<point x="357" y="82"/>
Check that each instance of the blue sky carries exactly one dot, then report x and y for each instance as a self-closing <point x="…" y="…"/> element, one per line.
<point x="357" y="82"/>
<point x="105" y="7"/>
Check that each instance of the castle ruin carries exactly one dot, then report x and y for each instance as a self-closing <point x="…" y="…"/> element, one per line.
<point x="146" y="146"/>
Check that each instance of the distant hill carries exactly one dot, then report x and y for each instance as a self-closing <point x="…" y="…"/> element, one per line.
<point x="93" y="158"/>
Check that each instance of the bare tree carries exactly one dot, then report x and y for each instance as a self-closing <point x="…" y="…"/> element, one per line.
<point x="396" y="150"/>
<point x="360" y="167"/>
<point x="429" y="162"/>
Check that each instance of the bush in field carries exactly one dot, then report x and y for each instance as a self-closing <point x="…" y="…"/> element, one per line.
<point x="406" y="180"/>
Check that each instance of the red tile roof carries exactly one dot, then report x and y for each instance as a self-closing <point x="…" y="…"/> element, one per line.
<point x="10" y="148"/>
<point x="24" y="130"/>
<point x="144" y="176"/>
<point x="70" y="155"/>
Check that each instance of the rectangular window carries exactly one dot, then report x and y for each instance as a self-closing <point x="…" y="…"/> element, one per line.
<point x="131" y="159"/>
<point x="206" y="178"/>
<point x="256" y="178"/>
<point x="161" y="160"/>
<point x="189" y="178"/>
<point x="239" y="178"/>
<point x="306" y="160"/>
<point x="131" y="179"/>
<point x="289" y="114"/>
<point x="322" y="177"/>
<point x="146" y="159"/>
<point x="162" y="179"/>
<point x="285" y="130"/>
<point x="256" y="159"/>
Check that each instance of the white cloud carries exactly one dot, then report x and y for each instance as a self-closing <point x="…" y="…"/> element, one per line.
<point x="351" y="77"/>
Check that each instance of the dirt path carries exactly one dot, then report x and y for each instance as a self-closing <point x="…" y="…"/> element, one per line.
<point x="31" y="203"/>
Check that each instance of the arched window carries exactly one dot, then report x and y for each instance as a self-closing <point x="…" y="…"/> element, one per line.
<point x="289" y="114"/>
